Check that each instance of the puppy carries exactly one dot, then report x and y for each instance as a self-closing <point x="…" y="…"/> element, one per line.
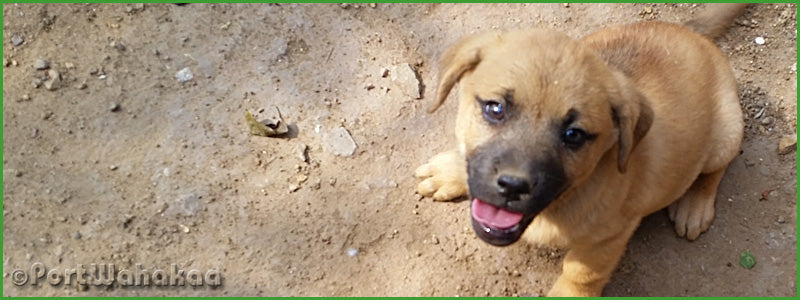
<point x="573" y="142"/>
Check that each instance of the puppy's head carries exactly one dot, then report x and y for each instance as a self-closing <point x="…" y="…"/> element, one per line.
<point x="537" y="112"/>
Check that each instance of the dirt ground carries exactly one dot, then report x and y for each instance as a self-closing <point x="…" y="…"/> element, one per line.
<point x="119" y="162"/>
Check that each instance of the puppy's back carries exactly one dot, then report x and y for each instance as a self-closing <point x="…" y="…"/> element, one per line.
<point x="715" y="19"/>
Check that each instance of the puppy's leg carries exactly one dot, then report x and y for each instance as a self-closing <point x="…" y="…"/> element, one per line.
<point x="587" y="267"/>
<point x="445" y="176"/>
<point x="694" y="211"/>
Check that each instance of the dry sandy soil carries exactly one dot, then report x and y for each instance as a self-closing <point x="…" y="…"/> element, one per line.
<point x="119" y="162"/>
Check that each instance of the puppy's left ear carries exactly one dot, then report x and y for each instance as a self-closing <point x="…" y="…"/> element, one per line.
<point x="459" y="58"/>
<point x="632" y="115"/>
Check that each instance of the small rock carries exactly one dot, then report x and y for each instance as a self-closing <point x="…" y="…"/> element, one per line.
<point x="184" y="75"/>
<point x="82" y="85"/>
<point x="26" y="97"/>
<point x="787" y="143"/>
<point x="53" y="80"/>
<point x="793" y="67"/>
<point x="766" y="121"/>
<point x="113" y="107"/>
<point x="41" y="64"/>
<point x="293" y="188"/>
<point x="77" y="235"/>
<point x="184" y="228"/>
<point x="17" y="39"/>
<point x="405" y="78"/>
<point x="339" y="141"/>
<point x="302" y="178"/>
<point x="119" y="45"/>
<point x="760" y="41"/>
<point x="6" y="63"/>
<point x="373" y="5"/>
<point x="271" y="125"/>
<point x="302" y="152"/>
<point x="37" y="82"/>
<point x="780" y="220"/>
<point x="352" y="252"/>
<point x="317" y="184"/>
<point x="69" y="65"/>
<point x="113" y="167"/>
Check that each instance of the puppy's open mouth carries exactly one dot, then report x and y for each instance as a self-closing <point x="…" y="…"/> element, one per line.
<point x="497" y="226"/>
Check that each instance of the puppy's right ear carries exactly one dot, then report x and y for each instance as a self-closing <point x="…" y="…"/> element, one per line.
<point x="459" y="58"/>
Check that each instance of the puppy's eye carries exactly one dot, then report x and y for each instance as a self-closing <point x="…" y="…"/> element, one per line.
<point x="494" y="112"/>
<point x="574" y="137"/>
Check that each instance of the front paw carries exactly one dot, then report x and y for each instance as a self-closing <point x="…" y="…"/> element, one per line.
<point x="444" y="176"/>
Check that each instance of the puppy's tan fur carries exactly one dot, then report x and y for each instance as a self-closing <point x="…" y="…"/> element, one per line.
<point x="663" y="101"/>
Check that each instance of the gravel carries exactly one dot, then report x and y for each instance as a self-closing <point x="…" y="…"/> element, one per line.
<point x="41" y="64"/>
<point x="184" y="75"/>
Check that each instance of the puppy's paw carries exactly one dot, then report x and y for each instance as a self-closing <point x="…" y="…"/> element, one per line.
<point x="694" y="211"/>
<point x="444" y="177"/>
<point x="692" y="215"/>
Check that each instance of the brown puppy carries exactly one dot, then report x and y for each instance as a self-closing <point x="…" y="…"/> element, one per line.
<point x="573" y="142"/>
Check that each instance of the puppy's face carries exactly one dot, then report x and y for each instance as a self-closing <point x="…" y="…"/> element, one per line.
<point x="537" y="112"/>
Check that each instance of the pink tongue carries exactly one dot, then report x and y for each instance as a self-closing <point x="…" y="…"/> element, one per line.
<point x="493" y="216"/>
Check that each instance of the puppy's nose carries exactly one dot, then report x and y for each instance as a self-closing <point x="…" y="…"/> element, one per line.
<point x="508" y="185"/>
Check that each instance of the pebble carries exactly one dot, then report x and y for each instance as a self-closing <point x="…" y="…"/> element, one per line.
<point x="41" y="64"/>
<point x="793" y="67"/>
<point x="302" y="152"/>
<point x="113" y="107"/>
<point x="293" y="188"/>
<point x="339" y="141"/>
<point x="77" y="235"/>
<point x="760" y="40"/>
<point x="273" y="120"/>
<point x="53" y="80"/>
<point x="119" y="45"/>
<point x="766" y="121"/>
<point x="113" y="167"/>
<point x="82" y="85"/>
<point x="787" y="143"/>
<point x="352" y="252"/>
<point x="37" y="82"/>
<point x="405" y="78"/>
<point x="184" y="75"/>
<point x="17" y="40"/>
<point x="302" y="178"/>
